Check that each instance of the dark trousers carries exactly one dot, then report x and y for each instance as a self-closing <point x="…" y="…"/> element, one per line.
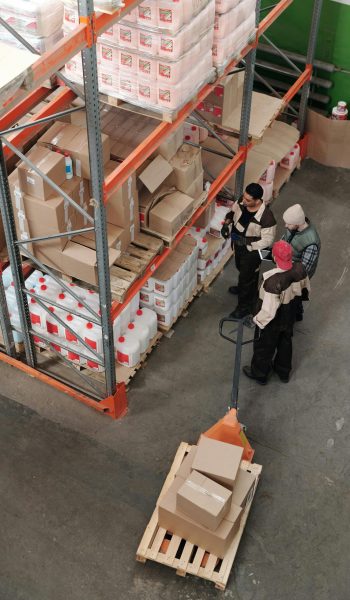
<point x="273" y="349"/>
<point x="248" y="266"/>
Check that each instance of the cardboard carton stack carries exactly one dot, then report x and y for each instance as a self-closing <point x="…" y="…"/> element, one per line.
<point x="170" y="187"/>
<point x="205" y="503"/>
<point x="40" y="211"/>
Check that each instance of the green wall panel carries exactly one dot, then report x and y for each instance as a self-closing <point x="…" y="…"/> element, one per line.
<point x="291" y="32"/>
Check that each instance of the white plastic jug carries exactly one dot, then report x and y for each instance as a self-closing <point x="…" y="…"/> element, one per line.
<point x="134" y="305"/>
<point x="269" y="174"/>
<point x="7" y="277"/>
<point x="147" y="317"/>
<point x="93" y="336"/>
<point x="37" y="315"/>
<point x="125" y="318"/>
<point x="75" y="323"/>
<point x="33" y="279"/>
<point x="291" y="160"/>
<point x="53" y="327"/>
<point x="128" y="350"/>
<point x="141" y="333"/>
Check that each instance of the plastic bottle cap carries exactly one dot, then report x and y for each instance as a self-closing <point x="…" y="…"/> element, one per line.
<point x="204" y="240"/>
<point x="69" y="317"/>
<point x="80" y="305"/>
<point x="198" y="228"/>
<point x="66" y="154"/>
<point x="187" y="137"/>
<point x="193" y="128"/>
<point x="12" y="284"/>
<point x="121" y="339"/>
<point x="89" y="325"/>
<point x="99" y="313"/>
<point x="73" y="285"/>
<point x="43" y="288"/>
<point x="42" y="279"/>
<point x="33" y="301"/>
<point x="32" y="290"/>
<point x="51" y="309"/>
<point x="92" y="292"/>
<point x="131" y="326"/>
<point x="139" y="312"/>
<point x="61" y="296"/>
<point x="292" y="153"/>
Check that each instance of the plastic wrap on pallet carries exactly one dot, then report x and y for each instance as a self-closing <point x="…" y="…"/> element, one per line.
<point x="40" y="44"/>
<point x="228" y="48"/>
<point x="226" y="23"/>
<point x="39" y="18"/>
<point x="108" y="6"/>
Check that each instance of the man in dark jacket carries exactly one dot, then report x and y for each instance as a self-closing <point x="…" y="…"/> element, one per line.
<point x="253" y="229"/>
<point x="302" y="236"/>
<point x="275" y="317"/>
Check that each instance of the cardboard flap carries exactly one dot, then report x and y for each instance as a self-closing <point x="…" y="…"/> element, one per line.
<point x="155" y="173"/>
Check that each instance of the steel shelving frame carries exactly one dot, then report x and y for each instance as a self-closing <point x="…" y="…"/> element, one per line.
<point x="114" y="400"/>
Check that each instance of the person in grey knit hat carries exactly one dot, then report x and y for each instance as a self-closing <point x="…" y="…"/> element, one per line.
<point x="302" y="235"/>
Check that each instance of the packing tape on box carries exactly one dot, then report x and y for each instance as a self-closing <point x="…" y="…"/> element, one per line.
<point x="18" y="197"/>
<point x="78" y="167"/>
<point x="202" y="490"/>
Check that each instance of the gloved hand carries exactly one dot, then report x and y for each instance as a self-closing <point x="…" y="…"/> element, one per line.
<point x="225" y="231"/>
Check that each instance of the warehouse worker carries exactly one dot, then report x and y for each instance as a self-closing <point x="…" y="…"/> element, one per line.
<point x="302" y="236"/>
<point x="275" y="317"/>
<point x="253" y="229"/>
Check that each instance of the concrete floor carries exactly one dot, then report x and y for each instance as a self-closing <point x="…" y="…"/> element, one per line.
<point x="77" y="489"/>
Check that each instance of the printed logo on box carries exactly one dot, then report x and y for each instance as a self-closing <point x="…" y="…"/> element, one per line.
<point x="159" y="287"/>
<point x="70" y="15"/>
<point x="126" y="59"/>
<point x="165" y="15"/>
<point x="107" y="52"/>
<point x="145" y="12"/>
<point x="145" y="66"/>
<point x="160" y="303"/>
<point x="164" y="95"/>
<point x="109" y="31"/>
<point x="126" y="85"/>
<point x="107" y="79"/>
<point x="165" y="71"/>
<point x="144" y="297"/>
<point x="167" y="44"/>
<point x="145" y="40"/>
<point x="125" y="35"/>
<point x="145" y="91"/>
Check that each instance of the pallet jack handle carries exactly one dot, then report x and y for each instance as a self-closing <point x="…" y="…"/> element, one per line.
<point x="239" y="343"/>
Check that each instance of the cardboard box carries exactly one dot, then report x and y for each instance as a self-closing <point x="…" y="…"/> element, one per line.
<point x="205" y="501"/>
<point x="80" y="262"/>
<point x="187" y="167"/>
<point x="168" y="216"/>
<point x="115" y="238"/>
<point x="222" y="101"/>
<point x="186" y="466"/>
<point x="329" y="140"/>
<point x="216" y="542"/>
<point x="171" y="145"/>
<point x="122" y="206"/>
<point x="50" y="256"/>
<point x="51" y="164"/>
<point x="243" y="488"/>
<point x="218" y="460"/>
<point x="195" y="189"/>
<point x="74" y="140"/>
<point x="155" y="173"/>
<point x="206" y="216"/>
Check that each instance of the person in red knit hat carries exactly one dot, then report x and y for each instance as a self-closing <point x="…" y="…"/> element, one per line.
<point x="275" y="316"/>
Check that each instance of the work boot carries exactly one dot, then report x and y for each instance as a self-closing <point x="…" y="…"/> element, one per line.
<point x="299" y="317"/>
<point x="233" y="290"/>
<point x="238" y="313"/>
<point x="249" y="373"/>
<point x="283" y="378"/>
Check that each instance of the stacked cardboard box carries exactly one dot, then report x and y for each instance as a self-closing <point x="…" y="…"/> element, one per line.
<point x="170" y="188"/>
<point x="205" y="503"/>
<point x="40" y="211"/>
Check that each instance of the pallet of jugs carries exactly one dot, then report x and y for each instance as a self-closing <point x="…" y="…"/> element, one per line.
<point x="168" y="291"/>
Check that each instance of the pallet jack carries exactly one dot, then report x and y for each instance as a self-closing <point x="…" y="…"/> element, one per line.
<point x="228" y="429"/>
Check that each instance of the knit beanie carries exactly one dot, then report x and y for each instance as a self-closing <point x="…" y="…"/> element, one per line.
<point x="294" y="215"/>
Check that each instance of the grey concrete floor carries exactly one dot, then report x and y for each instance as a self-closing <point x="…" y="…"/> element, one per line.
<point x="77" y="489"/>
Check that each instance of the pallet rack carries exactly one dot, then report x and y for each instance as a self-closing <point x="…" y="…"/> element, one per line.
<point x="113" y="401"/>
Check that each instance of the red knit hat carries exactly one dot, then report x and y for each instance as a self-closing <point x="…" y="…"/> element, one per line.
<point x="282" y="253"/>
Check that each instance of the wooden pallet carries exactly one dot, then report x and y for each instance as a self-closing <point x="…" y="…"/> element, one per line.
<point x="168" y="549"/>
<point x="125" y="374"/>
<point x="216" y="272"/>
<point x="282" y="176"/>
